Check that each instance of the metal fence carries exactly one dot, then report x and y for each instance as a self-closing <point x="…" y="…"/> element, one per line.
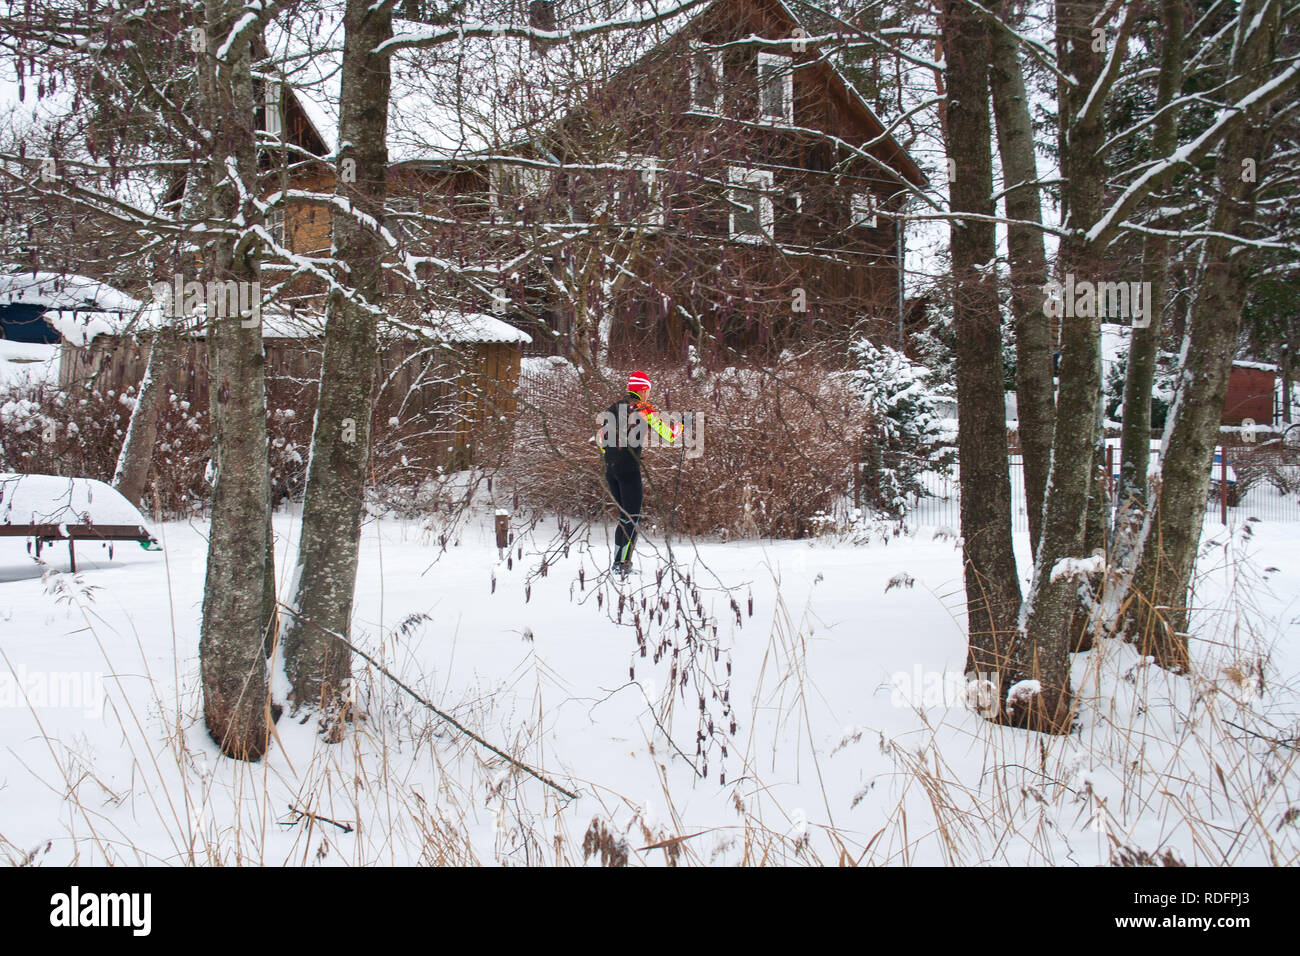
<point x="1262" y="483"/>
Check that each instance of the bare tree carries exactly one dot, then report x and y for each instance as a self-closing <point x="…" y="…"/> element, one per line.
<point x="1173" y="531"/>
<point x="236" y="704"/>
<point x="1144" y="343"/>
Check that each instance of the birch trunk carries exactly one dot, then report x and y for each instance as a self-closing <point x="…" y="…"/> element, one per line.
<point x="318" y="665"/>
<point x="132" y="471"/>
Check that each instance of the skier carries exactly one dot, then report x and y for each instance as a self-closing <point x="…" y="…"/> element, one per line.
<point x="621" y="447"/>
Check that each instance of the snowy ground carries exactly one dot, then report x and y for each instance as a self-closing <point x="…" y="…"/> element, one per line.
<point x="850" y="743"/>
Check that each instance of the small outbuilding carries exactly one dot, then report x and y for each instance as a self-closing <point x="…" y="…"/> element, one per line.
<point x="442" y="380"/>
<point x="26" y="296"/>
<point x="1251" y="387"/>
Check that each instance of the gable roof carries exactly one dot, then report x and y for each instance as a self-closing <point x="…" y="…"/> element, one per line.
<point x="476" y="126"/>
<point x="892" y="152"/>
<point x="897" y="156"/>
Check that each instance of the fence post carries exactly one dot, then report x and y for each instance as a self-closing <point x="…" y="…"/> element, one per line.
<point x="502" y="531"/>
<point x="857" y="474"/>
<point x="1110" y="472"/>
<point x="1223" y="483"/>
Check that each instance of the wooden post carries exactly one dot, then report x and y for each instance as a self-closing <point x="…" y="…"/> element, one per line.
<point x="1223" y="482"/>
<point x="72" y="553"/>
<point x="503" y="532"/>
<point x="1110" y="471"/>
<point x="857" y="477"/>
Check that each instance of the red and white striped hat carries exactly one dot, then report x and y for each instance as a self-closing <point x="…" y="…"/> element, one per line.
<point x="638" y="382"/>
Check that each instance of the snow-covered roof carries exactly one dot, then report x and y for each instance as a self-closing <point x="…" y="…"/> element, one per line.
<point x="1261" y="366"/>
<point x="62" y="291"/>
<point x="49" y="499"/>
<point x="474" y="327"/>
<point x="24" y="364"/>
<point x="81" y="327"/>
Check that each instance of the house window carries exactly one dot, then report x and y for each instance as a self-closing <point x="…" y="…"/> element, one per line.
<point x="863" y="209"/>
<point x="751" y="203"/>
<point x="396" y="222"/>
<point x="274" y="124"/>
<point x="706" y="78"/>
<point x="639" y="194"/>
<point x="511" y="184"/>
<point x="775" y="87"/>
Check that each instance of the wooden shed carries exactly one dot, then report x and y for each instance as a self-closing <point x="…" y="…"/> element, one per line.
<point x="1250" y="393"/>
<point x="442" y="387"/>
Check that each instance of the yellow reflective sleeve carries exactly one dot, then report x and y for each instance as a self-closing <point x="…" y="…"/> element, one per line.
<point x="666" y="431"/>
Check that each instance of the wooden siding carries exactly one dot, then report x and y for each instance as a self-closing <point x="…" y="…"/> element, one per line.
<point x="436" y="402"/>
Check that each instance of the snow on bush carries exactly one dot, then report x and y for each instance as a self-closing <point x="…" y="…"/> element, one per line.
<point x="900" y="398"/>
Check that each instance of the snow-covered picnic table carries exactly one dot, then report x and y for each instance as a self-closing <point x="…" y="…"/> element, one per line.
<point x="51" y="508"/>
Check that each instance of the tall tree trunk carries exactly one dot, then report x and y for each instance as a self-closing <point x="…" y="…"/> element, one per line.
<point x="326" y="572"/>
<point x="233" y="668"/>
<point x="1139" y="380"/>
<point x="132" y="471"/>
<point x="1173" y="534"/>
<point x="992" y="583"/>
<point x="1094" y="542"/>
<point x="1035" y="398"/>
<point x="1049" y="610"/>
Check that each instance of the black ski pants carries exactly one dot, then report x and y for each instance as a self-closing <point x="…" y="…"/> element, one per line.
<point x="623" y="475"/>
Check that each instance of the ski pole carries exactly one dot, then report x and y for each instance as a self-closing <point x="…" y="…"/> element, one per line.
<point x="677" y="483"/>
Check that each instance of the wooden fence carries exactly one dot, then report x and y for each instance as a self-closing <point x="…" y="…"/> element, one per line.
<point x="436" y="401"/>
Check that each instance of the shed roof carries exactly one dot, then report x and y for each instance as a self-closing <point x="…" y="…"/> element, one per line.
<point x="83" y="326"/>
<point x="57" y="290"/>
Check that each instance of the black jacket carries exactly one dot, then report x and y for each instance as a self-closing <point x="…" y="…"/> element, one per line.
<point x="622" y="437"/>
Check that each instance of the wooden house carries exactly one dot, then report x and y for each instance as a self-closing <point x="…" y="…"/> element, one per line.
<point x="731" y="189"/>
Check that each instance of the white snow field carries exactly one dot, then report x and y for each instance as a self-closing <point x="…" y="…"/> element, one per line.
<point x="853" y="742"/>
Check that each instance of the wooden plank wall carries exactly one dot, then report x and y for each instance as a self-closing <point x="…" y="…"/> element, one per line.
<point x="437" y="401"/>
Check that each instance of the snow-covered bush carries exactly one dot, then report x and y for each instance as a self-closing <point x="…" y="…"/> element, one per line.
<point x="901" y="397"/>
<point x="1162" y="393"/>
<point x="44" y="430"/>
